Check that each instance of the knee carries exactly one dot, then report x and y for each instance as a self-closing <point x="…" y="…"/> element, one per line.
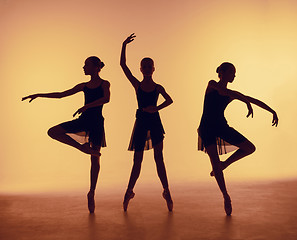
<point x="55" y="131"/>
<point x="52" y="132"/>
<point x="250" y="148"/>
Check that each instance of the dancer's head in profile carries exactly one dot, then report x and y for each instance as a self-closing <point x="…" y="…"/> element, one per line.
<point x="90" y="123"/>
<point x="147" y="67"/>
<point x="226" y="72"/>
<point x="93" y="66"/>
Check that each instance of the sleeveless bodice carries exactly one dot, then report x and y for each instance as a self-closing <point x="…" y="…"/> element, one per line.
<point x="91" y="95"/>
<point x="145" y="99"/>
<point x="213" y="109"/>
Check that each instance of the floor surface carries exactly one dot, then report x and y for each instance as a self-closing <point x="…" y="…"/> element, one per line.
<point x="260" y="211"/>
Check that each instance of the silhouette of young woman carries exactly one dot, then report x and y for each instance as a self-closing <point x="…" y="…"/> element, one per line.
<point x="90" y="122"/>
<point x="148" y="130"/>
<point x="215" y="135"/>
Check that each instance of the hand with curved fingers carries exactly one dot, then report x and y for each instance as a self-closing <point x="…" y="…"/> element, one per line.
<point x="150" y="109"/>
<point x="129" y="39"/>
<point x="80" y="110"/>
<point x="275" y="119"/>
<point x="250" y="110"/>
<point x="32" y="97"/>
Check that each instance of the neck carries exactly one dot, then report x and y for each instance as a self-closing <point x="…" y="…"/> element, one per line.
<point x="223" y="83"/>
<point x="147" y="78"/>
<point x="95" y="77"/>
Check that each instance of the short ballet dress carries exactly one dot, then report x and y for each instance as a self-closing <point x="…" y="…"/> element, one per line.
<point x="213" y="128"/>
<point x="148" y="130"/>
<point x="89" y="126"/>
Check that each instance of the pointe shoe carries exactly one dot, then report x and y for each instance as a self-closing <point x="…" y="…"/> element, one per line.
<point x="227" y="205"/>
<point x="128" y="195"/>
<point x="166" y="195"/>
<point x="91" y="202"/>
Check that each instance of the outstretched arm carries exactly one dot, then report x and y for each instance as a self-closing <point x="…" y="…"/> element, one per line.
<point x="123" y="64"/>
<point x="167" y="102"/>
<point x="232" y="94"/>
<point x="63" y="94"/>
<point x="98" y="102"/>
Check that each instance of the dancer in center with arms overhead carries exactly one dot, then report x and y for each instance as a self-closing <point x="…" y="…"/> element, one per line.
<point x="215" y="134"/>
<point x="148" y="131"/>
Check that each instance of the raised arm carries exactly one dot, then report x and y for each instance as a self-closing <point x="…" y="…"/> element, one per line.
<point x="129" y="75"/>
<point x="77" y="88"/>
<point x="98" y="102"/>
<point x="167" y="102"/>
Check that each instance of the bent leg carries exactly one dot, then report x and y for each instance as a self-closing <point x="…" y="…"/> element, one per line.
<point x="59" y="133"/>
<point x="245" y="148"/>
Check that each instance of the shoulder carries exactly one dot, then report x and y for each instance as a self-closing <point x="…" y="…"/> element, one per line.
<point x="160" y="88"/>
<point x="212" y="84"/>
<point x="105" y="83"/>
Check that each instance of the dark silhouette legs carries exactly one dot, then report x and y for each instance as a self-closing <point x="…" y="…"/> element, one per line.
<point x="137" y="161"/>
<point x="59" y="134"/>
<point x="161" y="170"/>
<point x="245" y="149"/>
<point x="94" y="172"/>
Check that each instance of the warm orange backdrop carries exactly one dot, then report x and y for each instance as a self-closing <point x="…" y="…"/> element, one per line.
<point x="43" y="45"/>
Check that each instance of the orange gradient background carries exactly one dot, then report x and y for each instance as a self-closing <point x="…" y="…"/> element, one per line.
<point x="43" y="45"/>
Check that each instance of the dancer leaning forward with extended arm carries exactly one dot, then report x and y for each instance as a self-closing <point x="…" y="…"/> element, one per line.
<point x="90" y="123"/>
<point x="215" y="135"/>
<point x="148" y="130"/>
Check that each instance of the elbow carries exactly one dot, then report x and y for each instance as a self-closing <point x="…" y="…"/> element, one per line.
<point x="123" y="64"/>
<point x="107" y="100"/>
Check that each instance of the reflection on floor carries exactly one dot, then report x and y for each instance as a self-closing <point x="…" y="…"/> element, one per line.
<point x="260" y="211"/>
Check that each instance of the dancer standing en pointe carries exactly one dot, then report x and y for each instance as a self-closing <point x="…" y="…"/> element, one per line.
<point x="148" y="130"/>
<point x="215" y="135"/>
<point x="90" y="123"/>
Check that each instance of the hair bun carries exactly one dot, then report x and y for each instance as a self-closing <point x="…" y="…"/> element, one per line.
<point x="224" y="66"/>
